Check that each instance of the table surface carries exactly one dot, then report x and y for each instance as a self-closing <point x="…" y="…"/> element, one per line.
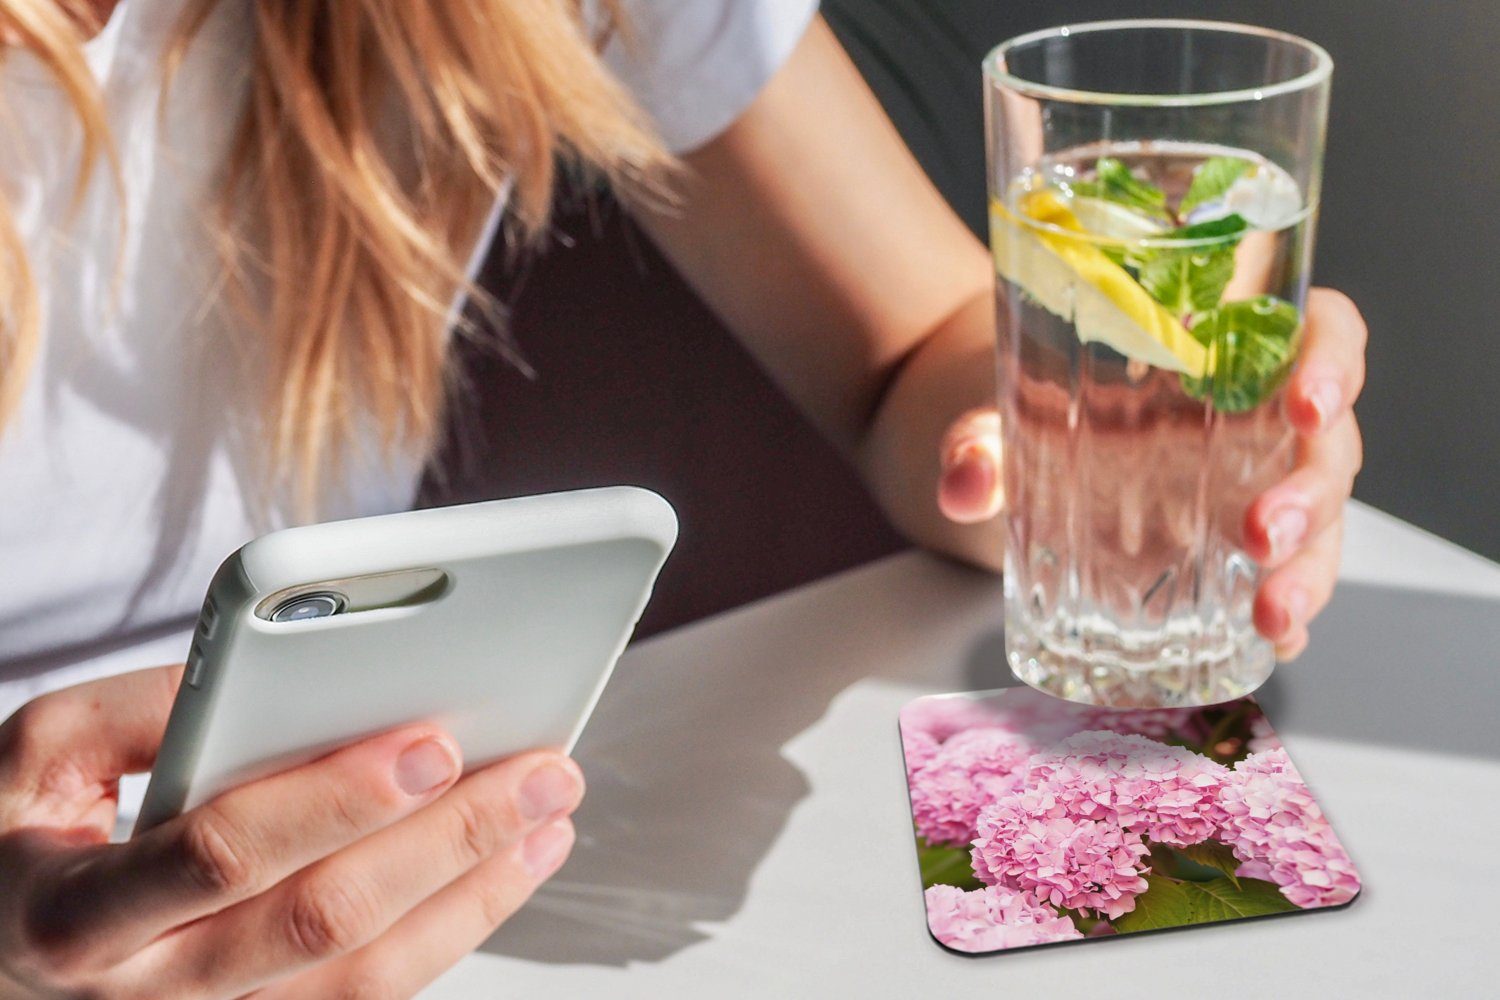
<point x="746" y="830"/>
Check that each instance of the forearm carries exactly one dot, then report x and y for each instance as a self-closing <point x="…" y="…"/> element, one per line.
<point x="815" y="235"/>
<point x="949" y="373"/>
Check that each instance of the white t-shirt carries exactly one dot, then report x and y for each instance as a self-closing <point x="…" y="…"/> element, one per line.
<point x="123" y="477"/>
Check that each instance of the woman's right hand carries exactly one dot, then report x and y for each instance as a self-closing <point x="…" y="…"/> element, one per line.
<point x="370" y="870"/>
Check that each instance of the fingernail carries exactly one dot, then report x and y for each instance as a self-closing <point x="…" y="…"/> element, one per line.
<point x="971" y="471"/>
<point x="1286" y="530"/>
<point x="1296" y="604"/>
<point x="1287" y="652"/>
<point x="969" y="453"/>
<point x="549" y="790"/>
<point x="971" y="479"/>
<point x="545" y="850"/>
<point x="1325" y="396"/>
<point x="424" y="765"/>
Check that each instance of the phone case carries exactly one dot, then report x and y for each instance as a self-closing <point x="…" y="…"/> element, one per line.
<point x="537" y="598"/>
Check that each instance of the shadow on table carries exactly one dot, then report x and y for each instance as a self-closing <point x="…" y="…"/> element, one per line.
<point x="689" y="789"/>
<point x="1392" y="666"/>
<point x="985" y="668"/>
<point x="1396" y="667"/>
<point x="688" y="786"/>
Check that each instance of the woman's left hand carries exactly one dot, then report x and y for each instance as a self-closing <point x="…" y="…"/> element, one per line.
<point x="1296" y="528"/>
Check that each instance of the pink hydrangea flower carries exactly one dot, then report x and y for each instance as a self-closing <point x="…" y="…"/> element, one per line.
<point x="943" y="717"/>
<point x="1164" y="792"/>
<point x="1156" y="723"/>
<point x="1039" y="717"/>
<point x="1272" y="823"/>
<point x="993" y="918"/>
<point x="965" y="774"/>
<point x="918" y="748"/>
<point x="1030" y="840"/>
<point x="1262" y="736"/>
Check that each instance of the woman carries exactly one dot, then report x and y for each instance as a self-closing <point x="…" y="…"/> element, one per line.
<point x="233" y="238"/>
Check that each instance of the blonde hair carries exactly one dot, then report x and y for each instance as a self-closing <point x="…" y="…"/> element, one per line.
<point x="345" y="256"/>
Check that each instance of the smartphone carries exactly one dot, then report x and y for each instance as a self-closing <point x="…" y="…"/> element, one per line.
<point x="500" y="621"/>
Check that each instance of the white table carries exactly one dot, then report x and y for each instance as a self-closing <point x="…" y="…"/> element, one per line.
<point x="746" y="831"/>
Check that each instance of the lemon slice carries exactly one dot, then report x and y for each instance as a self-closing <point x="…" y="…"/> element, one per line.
<point x="1075" y="280"/>
<point x="1106" y="218"/>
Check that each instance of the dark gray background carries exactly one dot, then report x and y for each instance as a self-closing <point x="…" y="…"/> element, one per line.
<point x="1408" y="226"/>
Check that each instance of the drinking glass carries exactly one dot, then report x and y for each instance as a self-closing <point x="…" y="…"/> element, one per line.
<point x="1153" y="188"/>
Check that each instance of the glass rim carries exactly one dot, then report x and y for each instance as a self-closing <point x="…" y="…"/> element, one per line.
<point x="1322" y="65"/>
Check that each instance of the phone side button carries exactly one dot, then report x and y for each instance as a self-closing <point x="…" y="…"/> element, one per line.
<point x="194" y="673"/>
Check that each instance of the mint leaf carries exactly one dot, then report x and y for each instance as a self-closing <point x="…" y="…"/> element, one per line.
<point x="946" y="866"/>
<point x="1165" y="276"/>
<point x="1211" y="180"/>
<point x="1222" y="899"/>
<point x="1114" y="182"/>
<point x="1250" y="346"/>
<point x="1192" y="279"/>
<point x="1214" y="229"/>
<point x="1165" y="903"/>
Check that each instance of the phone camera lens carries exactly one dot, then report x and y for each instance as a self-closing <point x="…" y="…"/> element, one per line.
<point x="305" y="606"/>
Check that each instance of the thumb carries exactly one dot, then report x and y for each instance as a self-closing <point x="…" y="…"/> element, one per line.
<point x="970" y="487"/>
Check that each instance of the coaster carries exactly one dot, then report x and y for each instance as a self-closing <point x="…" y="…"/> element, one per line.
<point x="1040" y="821"/>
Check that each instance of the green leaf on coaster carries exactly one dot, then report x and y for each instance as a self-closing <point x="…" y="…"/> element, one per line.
<point x="946" y="866"/>
<point x="1222" y="899"/>
<point x="1211" y="856"/>
<point x="1082" y="921"/>
<point x="1165" y="903"/>
<point x="1170" y="903"/>
<point x="1170" y="861"/>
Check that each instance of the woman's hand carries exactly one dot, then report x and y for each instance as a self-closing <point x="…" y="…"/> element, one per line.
<point x="1295" y="528"/>
<point x="374" y="866"/>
